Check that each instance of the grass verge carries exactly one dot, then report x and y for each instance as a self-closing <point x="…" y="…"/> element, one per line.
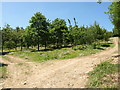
<point x="3" y="72"/>
<point x="105" y="75"/>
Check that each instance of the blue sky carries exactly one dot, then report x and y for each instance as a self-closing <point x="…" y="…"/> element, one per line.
<point x="19" y="13"/>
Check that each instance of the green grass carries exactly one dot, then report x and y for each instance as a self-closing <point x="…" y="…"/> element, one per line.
<point x="20" y="64"/>
<point x="3" y="72"/>
<point x="64" y="53"/>
<point x="98" y="78"/>
<point x="57" y="54"/>
<point x="5" y="58"/>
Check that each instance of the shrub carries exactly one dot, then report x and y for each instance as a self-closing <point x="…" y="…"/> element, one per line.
<point x="94" y="45"/>
<point x="80" y="47"/>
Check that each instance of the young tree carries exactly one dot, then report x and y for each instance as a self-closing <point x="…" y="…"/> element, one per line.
<point x="40" y="24"/>
<point x="22" y="37"/>
<point x="74" y="31"/>
<point x="1" y="41"/>
<point x="75" y="35"/>
<point x="28" y="37"/>
<point x="7" y="37"/>
<point x="59" y="29"/>
<point x="16" y="36"/>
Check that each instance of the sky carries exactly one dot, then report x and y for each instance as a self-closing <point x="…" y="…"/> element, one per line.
<point x="19" y="13"/>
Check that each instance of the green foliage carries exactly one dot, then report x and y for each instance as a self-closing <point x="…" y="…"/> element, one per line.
<point x="40" y="24"/>
<point x="114" y="15"/>
<point x="55" y="34"/>
<point x="80" y="47"/>
<point x="94" y="45"/>
<point x="116" y="32"/>
<point x="60" y="32"/>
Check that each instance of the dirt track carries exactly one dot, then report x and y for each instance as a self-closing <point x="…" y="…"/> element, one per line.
<point x="70" y="73"/>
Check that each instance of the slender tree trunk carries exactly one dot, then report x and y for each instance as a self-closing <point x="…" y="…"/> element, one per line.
<point x="2" y="48"/>
<point x="9" y="49"/>
<point x="45" y="45"/>
<point x="16" y="48"/>
<point x="57" y="44"/>
<point x="27" y="46"/>
<point x="38" y="44"/>
<point x="72" y="46"/>
<point x="21" y="44"/>
<point x="21" y="47"/>
<point x="32" y="46"/>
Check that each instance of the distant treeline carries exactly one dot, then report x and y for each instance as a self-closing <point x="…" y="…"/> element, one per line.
<point x="52" y="34"/>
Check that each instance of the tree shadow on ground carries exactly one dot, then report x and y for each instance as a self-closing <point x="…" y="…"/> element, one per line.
<point x="51" y="49"/>
<point x="4" y="53"/>
<point x="116" y="56"/>
<point x="107" y="45"/>
<point x="2" y="64"/>
<point x="100" y="48"/>
<point x="44" y="50"/>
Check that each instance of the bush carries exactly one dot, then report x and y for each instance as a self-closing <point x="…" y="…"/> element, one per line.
<point x="80" y="47"/>
<point x="94" y="45"/>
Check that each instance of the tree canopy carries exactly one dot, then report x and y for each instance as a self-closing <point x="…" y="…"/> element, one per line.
<point x="51" y="34"/>
<point x="114" y="15"/>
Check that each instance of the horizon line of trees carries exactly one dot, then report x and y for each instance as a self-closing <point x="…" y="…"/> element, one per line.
<point x="55" y="34"/>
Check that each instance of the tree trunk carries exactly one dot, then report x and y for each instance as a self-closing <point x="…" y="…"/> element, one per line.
<point x="21" y="47"/>
<point x="16" y="48"/>
<point x="2" y="48"/>
<point x="57" y="44"/>
<point x="21" y="44"/>
<point x="38" y="44"/>
<point x="9" y="49"/>
<point x="15" y="45"/>
<point x="45" y="45"/>
<point x="27" y="47"/>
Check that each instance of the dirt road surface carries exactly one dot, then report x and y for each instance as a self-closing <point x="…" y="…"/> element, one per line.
<point x="70" y="73"/>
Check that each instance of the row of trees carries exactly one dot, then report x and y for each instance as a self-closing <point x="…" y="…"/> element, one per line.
<point x="55" y="34"/>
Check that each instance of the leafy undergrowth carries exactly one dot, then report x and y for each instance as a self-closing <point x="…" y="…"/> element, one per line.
<point x="105" y="75"/>
<point x="59" y="54"/>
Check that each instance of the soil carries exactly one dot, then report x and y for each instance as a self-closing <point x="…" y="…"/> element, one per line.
<point x="69" y="73"/>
